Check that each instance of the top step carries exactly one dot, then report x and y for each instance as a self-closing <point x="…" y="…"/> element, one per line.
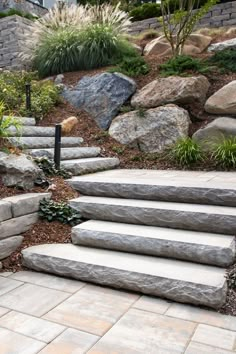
<point x="26" y="121"/>
<point x="214" y="188"/>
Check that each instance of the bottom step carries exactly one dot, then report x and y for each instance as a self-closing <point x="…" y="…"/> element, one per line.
<point x="171" y="279"/>
<point x="88" y="165"/>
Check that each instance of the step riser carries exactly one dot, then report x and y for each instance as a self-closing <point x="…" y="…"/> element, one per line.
<point x="41" y="142"/>
<point x="89" y="167"/>
<point x="176" y="290"/>
<point x="76" y="153"/>
<point x="205" y="254"/>
<point x="211" y="196"/>
<point x="27" y="131"/>
<point x="176" y="219"/>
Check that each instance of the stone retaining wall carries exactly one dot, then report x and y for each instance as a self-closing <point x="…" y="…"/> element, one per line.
<point x="219" y="16"/>
<point x="26" y="6"/>
<point x="17" y="215"/>
<point x="12" y="41"/>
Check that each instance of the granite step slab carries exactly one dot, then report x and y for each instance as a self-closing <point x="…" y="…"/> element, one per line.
<point x="189" y="187"/>
<point x="43" y="142"/>
<point x="196" y="217"/>
<point x="38" y="131"/>
<point x="88" y="165"/>
<point x="25" y="121"/>
<point x="175" y="280"/>
<point x="199" y="247"/>
<point x="68" y="153"/>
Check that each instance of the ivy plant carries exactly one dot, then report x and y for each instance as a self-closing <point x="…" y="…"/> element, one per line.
<point x="58" y="211"/>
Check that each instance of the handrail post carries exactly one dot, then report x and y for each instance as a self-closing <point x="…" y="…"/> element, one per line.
<point x="28" y="97"/>
<point x="57" y="147"/>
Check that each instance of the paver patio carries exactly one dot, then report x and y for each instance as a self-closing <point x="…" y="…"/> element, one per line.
<point x="45" y="314"/>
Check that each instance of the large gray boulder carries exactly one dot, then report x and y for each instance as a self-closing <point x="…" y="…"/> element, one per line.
<point x="216" y="131"/>
<point x="173" y="89"/>
<point x="18" y="170"/>
<point x="223" y="101"/>
<point x="9" y="245"/>
<point x="101" y="96"/>
<point x="218" y="47"/>
<point x="153" y="131"/>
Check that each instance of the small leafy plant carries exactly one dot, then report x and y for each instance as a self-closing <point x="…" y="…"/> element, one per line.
<point x="8" y="122"/>
<point x="182" y="64"/>
<point x="49" y="168"/>
<point x="53" y="211"/>
<point x="186" y="152"/>
<point x="132" y="66"/>
<point x="225" y="59"/>
<point x="224" y="153"/>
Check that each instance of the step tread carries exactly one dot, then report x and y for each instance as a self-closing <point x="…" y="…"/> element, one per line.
<point x="71" y="153"/>
<point x="29" y="131"/>
<point x="155" y="232"/>
<point x="25" y="121"/>
<point x="166" y="268"/>
<point x="44" y="142"/>
<point x="89" y="160"/>
<point x="160" y="205"/>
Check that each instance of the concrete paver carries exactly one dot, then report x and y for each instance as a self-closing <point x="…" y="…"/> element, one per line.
<point x="7" y="285"/>
<point x="199" y="348"/>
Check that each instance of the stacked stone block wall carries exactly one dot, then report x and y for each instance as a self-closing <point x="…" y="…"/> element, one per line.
<point x="26" y="6"/>
<point x="221" y="15"/>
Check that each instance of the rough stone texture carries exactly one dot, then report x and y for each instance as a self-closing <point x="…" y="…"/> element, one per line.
<point x="68" y="153"/>
<point x="33" y="131"/>
<point x="218" y="47"/>
<point x="194" y="217"/>
<point x="191" y="246"/>
<point x="223" y="101"/>
<point x="42" y="142"/>
<point x="171" y="186"/>
<point x="160" y="128"/>
<point x="25" y="120"/>
<point x="18" y="170"/>
<point x="101" y="95"/>
<point x="18" y="225"/>
<point x="26" y="203"/>
<point x="216" y="131"/>
<point x="9" y="245"/>
<point x="173" y="89"/>
<point x="88" y="165"/>
<point x="176" y="280"/>
<point x="195" y="44"/>
<point x="5" y="210"/>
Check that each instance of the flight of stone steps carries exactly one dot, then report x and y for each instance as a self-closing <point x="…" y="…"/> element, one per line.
<point x="164" y="233"/>
<point x="75" y="159"/>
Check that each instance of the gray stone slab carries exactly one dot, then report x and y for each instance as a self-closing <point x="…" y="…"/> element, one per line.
<point x="191" y="246"/>
<point x="70" y="153"/>
<point x="44" y="142"/>
<point x="32" y="131"/>
<point x="5" y="210"/>
<point x="175" y="280"/>
<point x="197" y="348"/>
<point x="88" y="165"/>
<point x="152" y="185"/>
<point x="26" y="203"/>
<point x="6" y="285"/>
<point x="30" y="326"/>
<point x="18" y="225"/>
<point x="9" y="245"/>
<point x="196" y="217"/>
<point x="25" y="121"/>
<point x="221" y="338"/>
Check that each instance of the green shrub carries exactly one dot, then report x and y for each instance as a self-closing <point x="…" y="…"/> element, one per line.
<point x="225" y="59"/>
<point x="186" y="151"/>
<point x="53" y="211"/>
<point x="49" y="168"/>
<point x="224" y="153"/>
<point x="12" y="12"/>
<point x="132" y="66"/>
<point x="145" y="11"/>
<point x="182" y="64"/>
<point x="44" y="95"/>
<point x="8" y="122"/>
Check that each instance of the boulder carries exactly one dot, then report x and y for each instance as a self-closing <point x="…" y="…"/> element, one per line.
<point x="223" y="101"/>
<point x="218" y="47"/>
<point x="216" y="131"/>
<point x="101" y="96"/>
<point x="153" y="131"/>
<point x="173" y="89"/>
<point x="18" y="170"/>
<point x="9" y="245"/>
<point x="195" y="44"/>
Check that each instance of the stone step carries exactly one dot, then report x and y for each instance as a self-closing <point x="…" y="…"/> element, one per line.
<point x="26" y="131"/>
<point x="199" y="247"/>
<point x="88" y="165"/>
<point x="68" y="153"/>
<point x="44" y="142"/>
<point x="25" y="121"/>
<point x="176" y="280"/>
<point x="176" y="186"/>
<point x="196" y="217"/>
